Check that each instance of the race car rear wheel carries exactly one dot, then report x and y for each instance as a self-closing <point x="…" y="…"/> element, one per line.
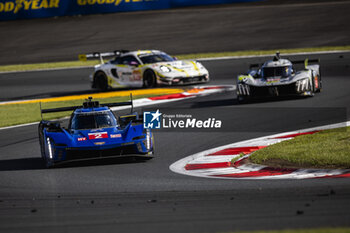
<point x="241" y="99"/>
<point x="149" y="79"/>
<point x="101" y="81"/>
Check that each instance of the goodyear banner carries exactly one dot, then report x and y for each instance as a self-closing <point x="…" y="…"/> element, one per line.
<point x="28" y="9"/>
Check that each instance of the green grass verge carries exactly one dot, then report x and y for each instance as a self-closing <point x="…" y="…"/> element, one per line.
<point x="317" y="230"/>
<point x="27" y="67"/>
<point x="325" y="149"/>
<point x="238" y="157"/>
<point x="14" y="114"/>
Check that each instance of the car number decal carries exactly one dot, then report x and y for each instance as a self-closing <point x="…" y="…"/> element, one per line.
<point x="98" y="135"/>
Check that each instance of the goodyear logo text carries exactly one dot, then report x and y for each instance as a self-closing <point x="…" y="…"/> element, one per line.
<point x="101" y="2"/>
<point x="26" y="5"/>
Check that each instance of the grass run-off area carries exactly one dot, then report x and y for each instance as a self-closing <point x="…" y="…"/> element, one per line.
<point x="317" y="230"/>
<point x="70" y="64"/>
<point x="29" y="111"/>
<point x="324" y="149"/>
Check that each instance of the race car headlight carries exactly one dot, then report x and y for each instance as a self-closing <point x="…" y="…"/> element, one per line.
<point x="148" y="140"/>
<point x="49" y="147"/>
<point x="165" y="69"/>
<point x="243" y="89"/>
<point x="302" y="85"/>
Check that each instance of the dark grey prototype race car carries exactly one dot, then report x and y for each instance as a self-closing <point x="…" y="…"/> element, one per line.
<point x="278" y="77"/>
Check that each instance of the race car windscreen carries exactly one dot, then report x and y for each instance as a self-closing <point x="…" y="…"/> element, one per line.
<point x="93" y="120"/>
<point x="154" y="58"/>
<point x="281" y="71"/>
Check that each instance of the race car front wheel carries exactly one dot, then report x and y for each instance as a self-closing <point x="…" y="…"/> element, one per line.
<point x="41" y="140"/>
<point x="101" y="81"/>
<point x="149" y="79"/>
<point x="242" y="99"/>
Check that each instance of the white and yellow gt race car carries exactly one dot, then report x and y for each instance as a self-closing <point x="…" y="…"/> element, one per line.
<point x="144" y="68"/>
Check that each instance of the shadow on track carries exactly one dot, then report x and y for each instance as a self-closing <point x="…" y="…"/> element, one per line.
<point x="36" y="163"/>
<point x="21" y="164"/>
<point x="100" y="162"/>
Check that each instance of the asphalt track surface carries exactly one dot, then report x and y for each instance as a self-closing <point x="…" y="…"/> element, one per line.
<point x="251" y="26"/>
<point x="128" y="196"/>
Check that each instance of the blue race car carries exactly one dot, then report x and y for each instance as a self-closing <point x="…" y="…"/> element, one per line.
<point x="94" y="132"/>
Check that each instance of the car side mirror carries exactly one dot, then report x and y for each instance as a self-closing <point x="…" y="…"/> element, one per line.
<point x="125" y="120"/>
<point x="53" y="126"/>
<point x="256" y="74"/>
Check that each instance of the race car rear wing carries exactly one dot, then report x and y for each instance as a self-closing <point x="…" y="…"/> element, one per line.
<point x="115" y="53"/>
<point x="88" y="104"/>
<point x="305" y="62"/>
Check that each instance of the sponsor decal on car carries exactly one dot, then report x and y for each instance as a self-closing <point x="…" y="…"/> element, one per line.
<point x="115" y="135"/>
<point x="98" y="135"/>
<point x="99" y="143"/>
<point x="272" y="80"/>
<point x="136" y="75"/>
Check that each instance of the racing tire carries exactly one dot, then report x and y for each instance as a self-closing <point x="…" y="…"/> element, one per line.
<point x="101" y="81"/>
<point x="151" y="156"/>
<point x="149" y="79"/>
<point x="47" y="163"/>
<point x="148" y="158"/>
<point x="241" y="100"/>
